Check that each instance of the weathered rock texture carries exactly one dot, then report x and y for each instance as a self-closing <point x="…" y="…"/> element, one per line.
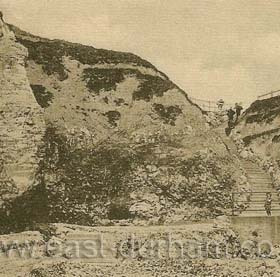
<point x="122" y="141"/>
<point x="99" y="93"/>
<point x="21" y="121"/>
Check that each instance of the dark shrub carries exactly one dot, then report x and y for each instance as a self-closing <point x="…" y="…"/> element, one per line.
<point x="152" y="86"/>
<point x="113" y="117"/>
<point x="43" y="97"/>
<point x="168" y="114"/>
<point x="276" y="139"/>
<point x="213" y="193"/>
<point x="119" y="101"/>
<point x="99" y="78"/>
<point x="74" y="184"/>
<point x="119" y="209"/>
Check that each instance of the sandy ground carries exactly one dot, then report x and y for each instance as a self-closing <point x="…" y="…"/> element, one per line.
<point x="44" y="266"/>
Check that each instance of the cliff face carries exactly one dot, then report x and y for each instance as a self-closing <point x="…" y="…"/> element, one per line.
<point x="121" y="142"/>
<point x="21" y="120"/>
<point x="85" y="90"/>
<point x="260" y="127"/>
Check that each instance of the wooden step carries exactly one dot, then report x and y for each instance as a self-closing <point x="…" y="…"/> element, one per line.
<point x="258" y="214"/>
<point x="261" y="204"/>
<point x="262" y="189"/>
<point x="260" y="178"/>
<point x="254" y="169"/>
<point x="257" y="174"/>
<point x="260" y="198"/>
<point x="260" y="184"/>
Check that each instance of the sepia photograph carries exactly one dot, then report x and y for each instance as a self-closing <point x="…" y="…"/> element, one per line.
<point x="139" y="138"/>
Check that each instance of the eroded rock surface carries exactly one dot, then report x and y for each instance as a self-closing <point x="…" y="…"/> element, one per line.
<point x="21" y="122"/>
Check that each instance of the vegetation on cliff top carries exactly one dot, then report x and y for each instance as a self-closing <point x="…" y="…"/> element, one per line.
<point x="49" y="54"/>
<point x="100" y="79"/>
<point x="263" y="111"/>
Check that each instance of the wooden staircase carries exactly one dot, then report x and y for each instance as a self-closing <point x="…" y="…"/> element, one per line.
<point x="261" y="183"/>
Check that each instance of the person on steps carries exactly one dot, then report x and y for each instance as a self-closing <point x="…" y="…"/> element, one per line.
<point x="267" y="204"/>
<point x="220" y="104"/>
<point x="230" y="114"/>
<point x="238" y="110"/>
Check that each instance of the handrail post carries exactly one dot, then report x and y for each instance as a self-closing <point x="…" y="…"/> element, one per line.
<point x="232" y="203"/>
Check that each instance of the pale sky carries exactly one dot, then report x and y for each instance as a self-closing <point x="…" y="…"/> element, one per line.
<point x="212" y="49"/>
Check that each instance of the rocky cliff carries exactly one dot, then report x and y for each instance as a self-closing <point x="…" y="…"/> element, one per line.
<point x="121" y="141"/>
<point x="21" y="118"/>
<point x="260" y="127"/>
<point x="98" y="92"/>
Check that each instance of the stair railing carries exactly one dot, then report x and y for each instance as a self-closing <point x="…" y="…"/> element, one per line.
<point x="269" y="94"/>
